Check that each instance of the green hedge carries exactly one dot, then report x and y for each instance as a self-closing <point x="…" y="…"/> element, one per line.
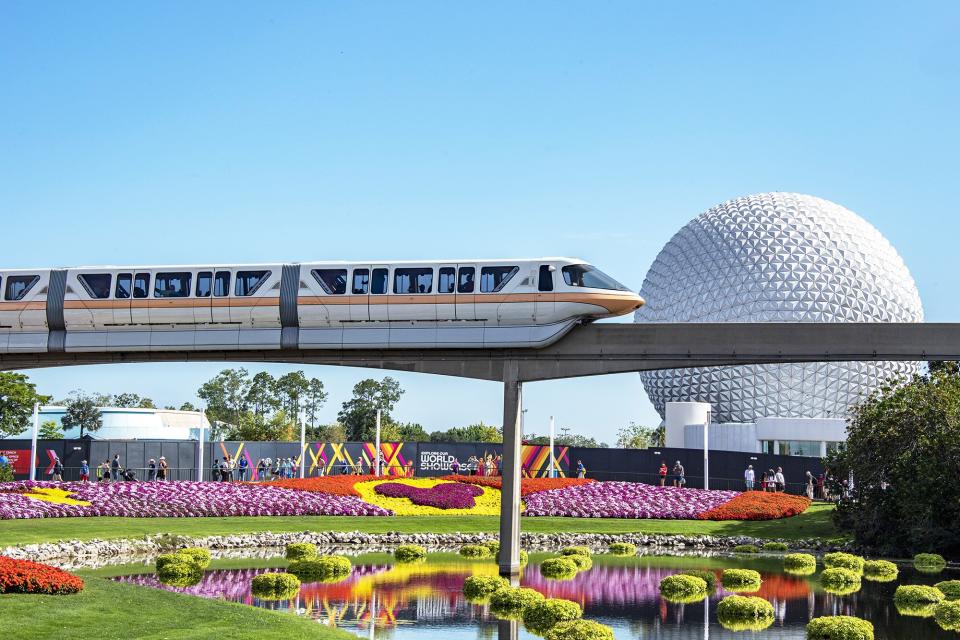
<point x="561" y="568"/>
<point x="493" y="545"/>
<point x="744" y="613"/>
<point x="918" y="594"/>
<point x="775" y="546"/>
<point x="950" y="589"/>
<point x="511" y="602"/>
<point x="168" y="558"/>
<point x="880" y="570"/>
<point x="576" y="551"/>
<point x="947" y="615"/>
<point x="326" y="568"/>
<point x="475" y="551"/>
<point x="181" y="573"/>
<point x="275" y="586"/>
<point x="580" y="630"/>
<point x="543" y="616"/>
<point x="839" y="578"/>
<point x="301" y="550"/>
<point x="839" y="628"/>
<point x="479" y="587"/>
<point x="746" y="548"/>
<point x="740" y="580"/>
<point x="622" y="549"/>
<point x="802" y="563"/>
<point x="841" y="560"/>
<point x="200" y="557"/>
<point x="707" y="576"/>
<point x="409" y="553"/>
<point x="683" y="588"/>
<point x="929" y="562"/>
<point x="583" y="562"/>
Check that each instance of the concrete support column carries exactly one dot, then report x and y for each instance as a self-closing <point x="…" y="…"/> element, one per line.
<point x="507" y="629"/>
<point x="509" y="558"/>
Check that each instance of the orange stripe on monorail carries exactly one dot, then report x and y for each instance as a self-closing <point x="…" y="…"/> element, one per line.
<point x="23" y="306"/>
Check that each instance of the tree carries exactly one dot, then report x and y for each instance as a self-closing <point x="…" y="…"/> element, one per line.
<point x="358" y="415"/>
<point x="568" y="440"/>
<point x="17" y="397"/>
<point x="327" y="433"/>
<point x="226" y="397"/>
<point x="50" y="430"/>
<point x="478" y="432"/>
<point x="130" y="401"/>
<point x="316" y="397"/>
<point x="903" y="456"/>
<point x="188" y="406"/>
<point x="410" y="432"/>
<point x="83" y="413"/>
<point x="262" y="395"/>
<point x="276" y="427"/>
<point x="291" y="388"/>
<point x="635" y="436"/>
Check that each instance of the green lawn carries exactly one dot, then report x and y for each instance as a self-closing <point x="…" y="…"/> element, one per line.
<point x="815" y="523"/>
<point x="105" y="609"/>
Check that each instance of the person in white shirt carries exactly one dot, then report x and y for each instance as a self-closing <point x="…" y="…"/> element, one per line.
<point x="779" y="479"/>
<point x="749" y="477"/>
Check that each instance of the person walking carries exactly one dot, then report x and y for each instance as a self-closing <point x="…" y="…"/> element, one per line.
<point x="103" y="471"/>
<point x="261" y="470"/>
<point x="749" y="477"/>
<point x="662" y="472"/>
<point x="810" y="483"/>
<point x="780" y="480"/>
<point x="56" y="474"/>
<point x="152" y="470"/>
<point x="84" y="471"/>
<point x="162" y="467"/>
<point x="679" y="475"/>
<point x="581" y="470"/>
<point x="771" y="482"/>
<point x="242" y="469"/>
<point x="215" y="470"/>
<point x="455" y="466"/>
<point x="115" y="468"/>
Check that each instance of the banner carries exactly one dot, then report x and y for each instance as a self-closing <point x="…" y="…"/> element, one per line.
<point x="19" y="460"/>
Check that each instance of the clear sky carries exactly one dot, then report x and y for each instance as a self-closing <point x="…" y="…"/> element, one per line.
<point x="218" y="132"/>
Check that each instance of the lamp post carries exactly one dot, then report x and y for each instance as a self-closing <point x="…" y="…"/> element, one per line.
<point x="33" y="440"/>
<point x="553" y="462"/>
<point x="706" y="451"/>
<point x="303" y="446"/>
<point x="376" y="452"/>
<point x="200" y="448"/>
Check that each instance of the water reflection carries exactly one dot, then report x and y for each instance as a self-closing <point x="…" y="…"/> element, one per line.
<point x="425" y="600"/>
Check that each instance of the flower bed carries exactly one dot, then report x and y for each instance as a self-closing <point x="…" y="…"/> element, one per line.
<point x="624" y="500"/>
<point x="177" y="500"/>
<point x="333" y="485"/>
<point x="449" y="495"/>
<point x="757" y="505"/>
<point x="24" y="576"/>
<point x="486" y="503"/>
<point x="528" y="486"/>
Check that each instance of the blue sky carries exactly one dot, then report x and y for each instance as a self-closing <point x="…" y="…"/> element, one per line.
<point x="186" y="132"/>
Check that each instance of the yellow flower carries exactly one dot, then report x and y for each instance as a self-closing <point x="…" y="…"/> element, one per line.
<point x="487" y="504"/>
<point x="57" y="496"/>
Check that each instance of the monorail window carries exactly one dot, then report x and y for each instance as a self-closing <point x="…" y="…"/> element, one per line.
<point x="141" y="285"/>
<point x="249" y="281"/>
<point x="19" y="286"/>
<point x="465" y="281"/>
<point x="221" y="284"/>
<point x="448" y="280"/>
<point x="172" y="284"/>
<point x="96" y="284"/>
<point x="545" y="278"/>
<point x="124" y="286"/>
<point x="361" y="282"/>
<point x="378" y="285"/>
<point x="493" y="279"/>
<point x="586" y="275"/>
<point x="413" y="280"/>
<point x="204" y="284"/>
<point x="333" y="281"/>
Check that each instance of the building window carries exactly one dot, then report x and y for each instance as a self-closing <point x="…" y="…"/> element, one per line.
<point x="413" y="280"/>
<point x="448" y="280"/>
<point x="332" y="281"/>
<point x="221" y="284"/>
<point x="493" y="279"/>
<point x="96" y="284"/>
<point x="19" y="286"/>
<point x="172" y="285"/>
<point x="465" y="282"/>
<point x="204" y="284"/>
<point x="124" y="286"/>
<point x="249" y="281"/>
<point x="545" y="278"/>
<point x="799" y="448"/>
<point x="766" y="446"/>
<point x="141" y="284"/>
<point x="379" y="284"/>
<point x="361" y="281"/>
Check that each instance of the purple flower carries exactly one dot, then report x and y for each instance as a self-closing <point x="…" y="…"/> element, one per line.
<point x="453" y="495"/>
<point x="624" y="500"/>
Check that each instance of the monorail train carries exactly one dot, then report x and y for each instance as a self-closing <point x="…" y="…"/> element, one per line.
<point x="329" y="305"/>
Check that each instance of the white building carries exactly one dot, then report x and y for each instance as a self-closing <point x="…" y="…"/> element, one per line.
<point x="685" y="422"/>
<point x="120" y="423"/>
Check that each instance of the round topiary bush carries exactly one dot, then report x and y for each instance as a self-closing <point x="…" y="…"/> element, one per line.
<point x="183" y="573"/>
<point x="323" y="568"/>
<point x="839" y="628"/>
<point x="775" y="546"/>
<point x="576" y="551"/>
<point x="707" y="576"/>
<point x="479" y="587"/>
<point x="918" y="594"/>
<point x="562" y="568"/>
<point x="839" y="578"/>
<point x="746" y="548"/>
<point x="409" y="553"/>
<point x="683" y="588"/>
<point x="622" y="549"/>
<point x="511" y="602"/>
<point x="334" y="566"/>
<point x="493" y="546"/>
<point x="880" y="570"/>
<point x="543" y="616"/>
<point x="583" y="562"/>
<point x="301" y="550"/>
<point x="740" y="580"/>
<point x="799" y="563"/>
<point x="929" y="562"/>
<point x="167" y="558"/>
<point x="475" y="551"/>
<point x="744" y="613"/>
<point x="524" y="557"/>
<point x="199" y="557"/>
<point x="839" y="559"/>
<point x="947" y="615"/>
<point x="579" y="630"/>
<point x="950" y="589"/>
<point x="275" y="586"/>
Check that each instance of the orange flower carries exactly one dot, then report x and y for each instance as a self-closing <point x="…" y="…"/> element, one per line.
<point x="758" y="505"/>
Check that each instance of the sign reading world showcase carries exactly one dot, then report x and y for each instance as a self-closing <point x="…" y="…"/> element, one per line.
<point x="437" y="459"/>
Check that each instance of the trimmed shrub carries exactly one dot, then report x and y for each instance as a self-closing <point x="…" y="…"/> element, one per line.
<point x="775" y="546"/>
<point x="511" y="602"/>
<point x="181" y="573"/>
<point x="707" y="576"/>
<point x="839" y="578"/>
<point x="583" y="562"/>
<point x="839" y="628"/>
<point x="479" y="587"/>
<point x="918" y="594"/>
<point x="524" y="558"/>
<point x="682" y="588"/>
<point x="493" y="545"/>
<point x="740" y="580"/>
<point x="325" y="568"/>
<point x="915" y="609"/>
<point x="880" y="570"/>
<point x="474" y="551"/>
<point x="579" y="630"/>
<point x="839" y="559"/>
<point x="929" y="562"/>
<point x="947" y="615"/>
<point x="301" y="550"/>
<point x="622" y="549"/>
<point x="167" y="558"/>
<point x="562" y="568"/>
<point x="802" y="563"/>
<point x="200" y="557"/>
<point x="746" y="548"/>
<point x="409" y="553"/>
<point x="543" y="616"/>
<point x="950" y="589"/>
<point x="275" y="586"/>
<point x="744" y="613"/>
<point x="576" y="551"/>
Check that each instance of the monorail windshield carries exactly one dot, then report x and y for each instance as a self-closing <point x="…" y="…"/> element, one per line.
<point x="587" y="275"/>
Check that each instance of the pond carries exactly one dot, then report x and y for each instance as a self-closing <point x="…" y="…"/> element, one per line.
<point x="385" y="599"/>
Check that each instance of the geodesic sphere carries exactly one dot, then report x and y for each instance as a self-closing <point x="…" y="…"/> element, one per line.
<point x="777" y="257"/>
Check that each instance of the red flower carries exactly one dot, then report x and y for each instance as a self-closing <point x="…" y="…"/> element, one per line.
<point x="758" y="505"/>
<point x="24" y="576"/>
<point x="333" y="485"/>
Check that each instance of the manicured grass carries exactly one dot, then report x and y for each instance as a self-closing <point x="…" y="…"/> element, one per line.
<point x="814" y="523"/>
<point x="106" y="609"/>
